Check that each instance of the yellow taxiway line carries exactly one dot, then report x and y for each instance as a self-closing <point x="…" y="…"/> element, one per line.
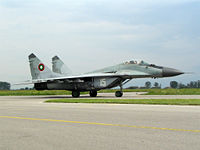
<point x="102" y="124"/>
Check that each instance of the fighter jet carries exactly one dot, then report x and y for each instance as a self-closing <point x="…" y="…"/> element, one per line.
<point x="118" y="75"/>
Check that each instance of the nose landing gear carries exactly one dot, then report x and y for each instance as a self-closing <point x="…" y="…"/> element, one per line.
<point x="118" y="93"/>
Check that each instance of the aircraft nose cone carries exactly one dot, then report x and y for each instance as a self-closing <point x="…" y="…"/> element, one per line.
<point x="169" y="72"/>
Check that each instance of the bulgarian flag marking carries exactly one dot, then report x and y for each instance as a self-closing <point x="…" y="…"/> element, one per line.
<point x="41" y="67"/>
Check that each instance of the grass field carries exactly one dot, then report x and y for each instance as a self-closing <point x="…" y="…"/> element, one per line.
<point x="63" y="92"/>
<point x="131" y="101"/>
<point x="32" y="93"/>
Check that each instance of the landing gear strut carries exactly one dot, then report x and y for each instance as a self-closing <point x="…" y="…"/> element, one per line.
<point x="93" y="93"/>
<point x="75" y="93"/>
<point x="119" y="93"/>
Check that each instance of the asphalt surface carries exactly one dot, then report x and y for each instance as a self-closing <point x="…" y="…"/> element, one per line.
<point x="136" y="95"/>
<point x="28" y="123"/>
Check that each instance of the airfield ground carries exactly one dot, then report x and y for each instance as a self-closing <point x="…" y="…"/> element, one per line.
<point x="26" y="122"/>
<point x="187" y="91"/>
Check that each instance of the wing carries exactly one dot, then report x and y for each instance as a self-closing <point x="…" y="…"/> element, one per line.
<point x="76" y="77"/>
<point x="124" y="74"/>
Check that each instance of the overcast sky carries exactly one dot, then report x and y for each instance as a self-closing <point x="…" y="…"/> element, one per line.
<point x="91" y="34"/>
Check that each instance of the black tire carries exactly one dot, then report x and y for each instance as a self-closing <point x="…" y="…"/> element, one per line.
<point x="93" y="93"/>
<point x="75" y="93"/>
<point x="118" y="94"/>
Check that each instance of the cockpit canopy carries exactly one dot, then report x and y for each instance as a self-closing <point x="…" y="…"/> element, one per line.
<point x="142" y="63"/>
<point x="136" y="62"/>
<point x="130" y="62"/>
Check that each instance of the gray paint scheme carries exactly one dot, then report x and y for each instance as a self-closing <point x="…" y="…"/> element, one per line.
<point x="105" y="78"/>
<point x="59" y="67"/>
<point x="36" y="73"/>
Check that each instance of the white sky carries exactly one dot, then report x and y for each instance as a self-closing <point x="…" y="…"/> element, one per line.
<point x="90" y="34"/>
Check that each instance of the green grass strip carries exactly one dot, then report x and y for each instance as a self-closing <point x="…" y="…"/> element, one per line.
<point x="35" y="93"/>
<point x="131" y="101"/>
<point x="63" y="92"/>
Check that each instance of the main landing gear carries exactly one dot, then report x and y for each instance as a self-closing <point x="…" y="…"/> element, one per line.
<point x="75" y="93"/>
<point x="93" y="93"/>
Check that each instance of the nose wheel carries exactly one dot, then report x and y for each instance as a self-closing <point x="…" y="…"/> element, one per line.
<point x="118" y="93"/>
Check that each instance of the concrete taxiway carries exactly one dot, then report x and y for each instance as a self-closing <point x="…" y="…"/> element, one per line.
<point x="28" y="123"/>
<point x="139" y="95"/>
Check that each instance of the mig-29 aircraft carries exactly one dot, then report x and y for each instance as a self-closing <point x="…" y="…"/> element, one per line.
<point x="61" y="78"/>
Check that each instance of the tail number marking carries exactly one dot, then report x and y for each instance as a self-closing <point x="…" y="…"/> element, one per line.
<point x="103" y="83"/>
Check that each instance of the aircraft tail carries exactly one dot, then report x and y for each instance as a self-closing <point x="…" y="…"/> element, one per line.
<point x="59" y="67"/>
<point x="38" y="69"/>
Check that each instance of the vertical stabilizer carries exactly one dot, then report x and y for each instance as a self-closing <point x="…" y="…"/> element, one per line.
<point x="59" y="67"/>
<point x="38" y="69"/>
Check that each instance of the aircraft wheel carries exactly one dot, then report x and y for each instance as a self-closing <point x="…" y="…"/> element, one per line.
<point x="118" y="94"/>
<point x="93" y="93"/>
<point x="75" y="93"/>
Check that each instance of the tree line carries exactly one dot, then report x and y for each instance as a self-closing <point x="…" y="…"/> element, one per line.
<point x="173" y="84"/>
<point x="191" y="84"/>
<point x="148" y="85"/>
<point x="4" y="86"/>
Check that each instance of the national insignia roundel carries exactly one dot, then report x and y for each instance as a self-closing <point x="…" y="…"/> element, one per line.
<point x="41" y="67"/>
